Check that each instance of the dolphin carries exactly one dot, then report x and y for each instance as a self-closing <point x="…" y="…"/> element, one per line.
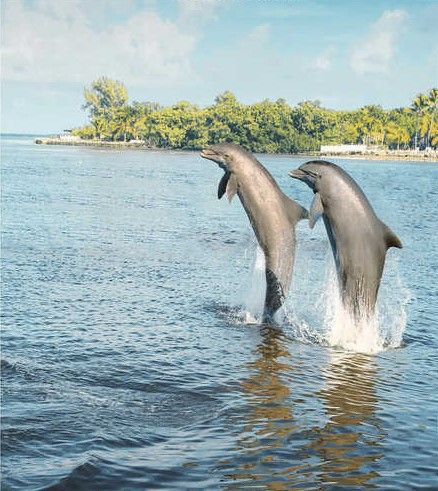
<point x="359" y="240"/>
<point x="272" y="214"/>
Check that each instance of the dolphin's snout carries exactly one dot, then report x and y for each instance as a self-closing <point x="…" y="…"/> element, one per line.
<point x="208" y="153"/>
<point x="297" y="174"/>
<point x="213" y="155"/>
<point x="205" y="153"/>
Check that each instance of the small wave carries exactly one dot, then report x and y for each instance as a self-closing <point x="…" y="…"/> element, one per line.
<point x="88" y="469"/>
<point x="238" y="315"/>
<point x="299" y="330"/>
<point x="7" y="366"/>
<point x="11" y="368"/>
<point x="235" y="314"/>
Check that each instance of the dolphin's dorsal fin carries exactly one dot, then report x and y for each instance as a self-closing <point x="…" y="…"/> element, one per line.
<point x="228" y="184"/>
<point x="316" y="210"/>
<point x="391" y="239"/>
<point x="295" y="212"/>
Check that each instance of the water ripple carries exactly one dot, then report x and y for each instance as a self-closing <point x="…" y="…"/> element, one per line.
<point x="133" y="356"/>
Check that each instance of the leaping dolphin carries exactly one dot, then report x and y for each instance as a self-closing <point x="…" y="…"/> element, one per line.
<point x="272" y="214"/>
<point x="359" y="240"/>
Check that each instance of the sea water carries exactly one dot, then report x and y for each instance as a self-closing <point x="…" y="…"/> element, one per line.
<point x="132" y="351"/>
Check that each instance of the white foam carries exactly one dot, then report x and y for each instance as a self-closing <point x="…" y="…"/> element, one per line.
<point x="343" y="330"/>
<point x="314" y="312"/>
<point x="254" y="297"/>
<point x="393" y="303"/>
<point x="372" y="334"/>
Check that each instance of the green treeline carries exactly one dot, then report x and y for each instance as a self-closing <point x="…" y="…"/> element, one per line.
<point x="267" y="126"/>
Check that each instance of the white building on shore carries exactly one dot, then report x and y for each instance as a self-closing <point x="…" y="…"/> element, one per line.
<point x="344" y="148"/>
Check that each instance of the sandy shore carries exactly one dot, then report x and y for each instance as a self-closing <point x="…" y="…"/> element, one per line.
<point x="407" y="155"/>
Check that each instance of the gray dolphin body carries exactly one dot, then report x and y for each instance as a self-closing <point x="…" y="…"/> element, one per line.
<point x="359" y="240"/>
<point x="272" y="214"/>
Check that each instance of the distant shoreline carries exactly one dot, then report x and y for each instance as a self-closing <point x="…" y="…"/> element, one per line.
<point x="404" y="155"/>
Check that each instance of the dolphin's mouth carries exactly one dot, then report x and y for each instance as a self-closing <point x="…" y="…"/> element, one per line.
<point x="208" y="153"/>
<point x="306" y="176"/>
<point x="298" y="174"/>
<point x="302" y="174"/>
<point x="217" y="157"/>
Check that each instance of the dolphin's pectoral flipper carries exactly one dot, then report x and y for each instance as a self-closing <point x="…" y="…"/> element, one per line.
<point x="316" y="210"/>
<point x="231" y="187"/>
<point x="274" y="295"/>
<point x="223" y="184"/>
<point x="227" y="184"/>
<point x="390" y="238"/>
<point x="295" y="212"/>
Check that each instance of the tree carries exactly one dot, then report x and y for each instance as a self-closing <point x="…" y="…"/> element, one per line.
<point x="269" y="127"/>
<point x="101" y="127"/>
<point x="265" y="126"/>
<point x="104" y="97"/>
<point x="225" y="120"/>
<point x="419" y="106"/>
<point x="396" y="134"/>
<point x="432" y="106"/>
<point x="371" y="124"/>
<point x="177" y="126"/>
<point x="424" y="106"/>
<point x="87" y="132"/>
<point x="121" y="123"/>
<point x="316" y="122"/>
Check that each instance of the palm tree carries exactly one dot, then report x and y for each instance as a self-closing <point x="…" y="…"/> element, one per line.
<point x="419" y="106"/>
<point x="396" y="133"/>
<point x="432" y="109"/>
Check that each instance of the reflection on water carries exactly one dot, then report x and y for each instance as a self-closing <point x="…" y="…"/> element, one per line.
<point x="273" y="448"/>
<point x="268" y="390"/>
<point x="348" y="444"/>
<point x="265" y="456"/>
<point x="136" y="369"/>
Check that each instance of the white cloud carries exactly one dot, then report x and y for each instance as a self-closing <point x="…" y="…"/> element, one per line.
<point x="250" y="54"/>
<point x="375" y="52"/>
<point x="252" y="67"/>
<point x="52" y="41"/>
<point x="194" y="13"/>
<point x="323" y="62"/>
<point x="259" y="35"/>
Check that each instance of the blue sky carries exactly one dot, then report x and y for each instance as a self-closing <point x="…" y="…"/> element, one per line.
<point x="344" y="53"/>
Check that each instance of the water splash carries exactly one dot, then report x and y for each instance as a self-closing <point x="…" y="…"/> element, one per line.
<point x="342" y="329"/>
<point x="384" y="330"/>
<point x="254" y="296"/>
<point x="314" y="312"/>
<point x="393" y="303"/>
